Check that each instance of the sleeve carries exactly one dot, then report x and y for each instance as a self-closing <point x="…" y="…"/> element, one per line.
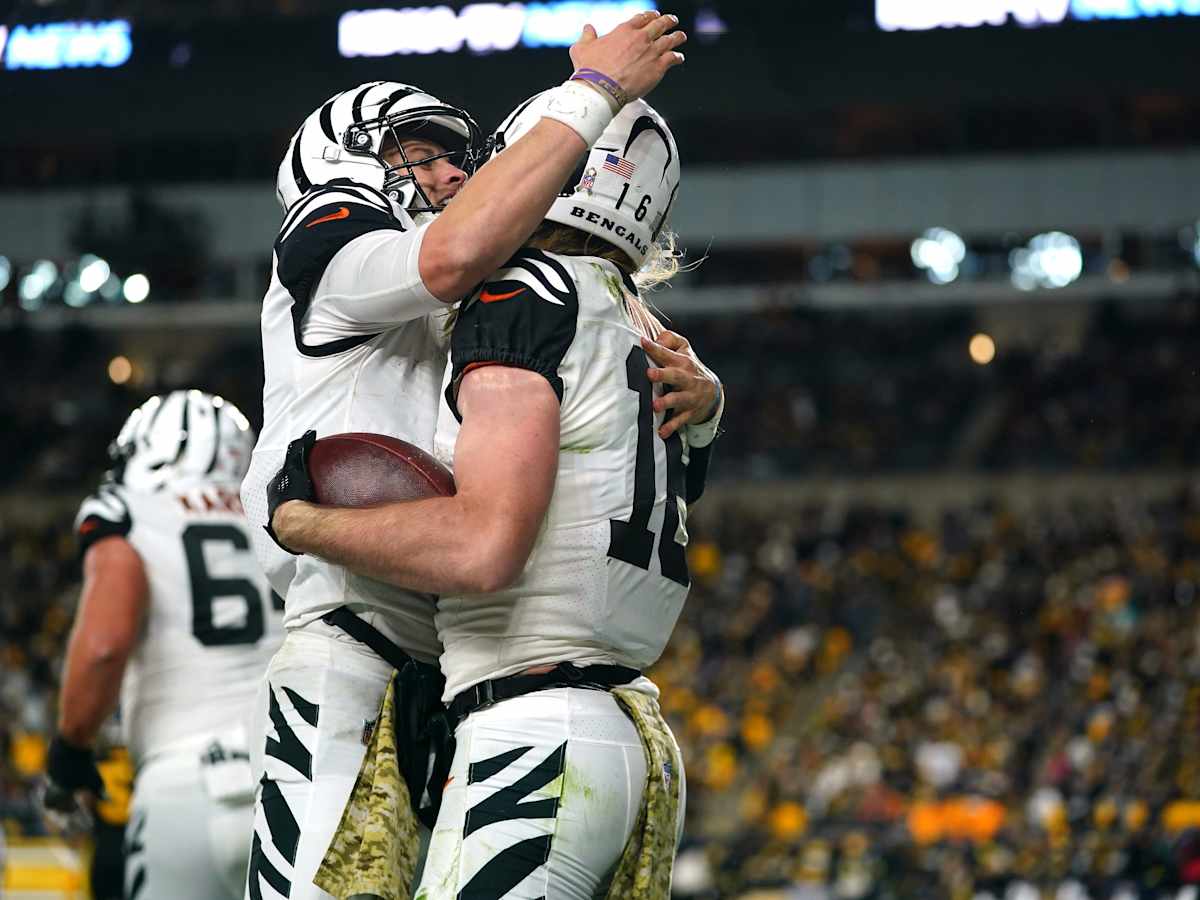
<point x="696" y="473"/>
<point x="103" y="514"/>
<point x="350" y="267"/>
<point x="523" y="316"/>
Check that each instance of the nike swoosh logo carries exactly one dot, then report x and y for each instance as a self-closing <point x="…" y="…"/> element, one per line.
<point x="342" y="213"/>
<point x="487" y="296"/>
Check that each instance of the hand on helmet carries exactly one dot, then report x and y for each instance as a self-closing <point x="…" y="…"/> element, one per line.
<point x="636" y="54"/>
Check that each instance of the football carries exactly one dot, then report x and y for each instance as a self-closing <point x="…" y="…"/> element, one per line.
<point x="361" y="469"/>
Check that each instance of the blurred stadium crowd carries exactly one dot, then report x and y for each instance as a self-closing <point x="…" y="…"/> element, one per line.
<point x="823" y="392"/>
<point x="873" y="702"/>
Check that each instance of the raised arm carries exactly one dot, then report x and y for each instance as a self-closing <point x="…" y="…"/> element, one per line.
<point x="505" y="462"/>
<point x="500" y="206"/>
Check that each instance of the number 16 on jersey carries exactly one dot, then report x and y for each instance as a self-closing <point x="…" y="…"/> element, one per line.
<point x="633" y="541"/>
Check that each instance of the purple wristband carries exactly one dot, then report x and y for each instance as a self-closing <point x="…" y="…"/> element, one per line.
<point x="610" y="86"/>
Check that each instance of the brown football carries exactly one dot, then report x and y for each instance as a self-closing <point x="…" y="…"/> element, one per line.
<point x="361" y="469"/>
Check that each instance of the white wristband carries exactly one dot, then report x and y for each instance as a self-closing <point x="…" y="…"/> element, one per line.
<point x="583" y="109"/>
<point x="703" y="434"/>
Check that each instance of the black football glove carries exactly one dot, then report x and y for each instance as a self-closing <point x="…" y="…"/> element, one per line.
<point x="70" y="769"/>
<point x="291" y="482"/>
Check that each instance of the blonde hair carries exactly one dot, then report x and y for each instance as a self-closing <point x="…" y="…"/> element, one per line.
<point x="662" y="263"/>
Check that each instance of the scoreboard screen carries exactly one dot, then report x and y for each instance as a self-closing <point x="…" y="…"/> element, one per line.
<point x="923" y="15"/>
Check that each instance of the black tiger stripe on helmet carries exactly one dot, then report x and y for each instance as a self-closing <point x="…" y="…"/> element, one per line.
<point x="344" y="138"/>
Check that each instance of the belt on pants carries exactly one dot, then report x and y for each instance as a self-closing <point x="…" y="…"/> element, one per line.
<point x="567" y="674"/>
<point x="366" y="633"/>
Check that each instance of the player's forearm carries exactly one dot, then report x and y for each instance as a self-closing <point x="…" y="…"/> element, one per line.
<point x="434" y="545"/>
<point x="91" y="687"/>
<point x="498" y="209"/>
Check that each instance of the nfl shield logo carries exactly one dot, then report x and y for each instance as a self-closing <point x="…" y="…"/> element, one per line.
<point x="588" y="181"/>
<point x="667" y="775"/>
<point x="368" y="731"/>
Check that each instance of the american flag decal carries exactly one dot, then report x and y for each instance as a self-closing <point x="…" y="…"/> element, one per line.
<point x="622" y="167"/>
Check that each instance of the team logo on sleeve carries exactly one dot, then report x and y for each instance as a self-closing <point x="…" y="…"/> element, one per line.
<point x="501" y="290"/>
<point x="341" y="213"/>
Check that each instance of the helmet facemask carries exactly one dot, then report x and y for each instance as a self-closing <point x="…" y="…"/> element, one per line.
<point x="450" y="128"/>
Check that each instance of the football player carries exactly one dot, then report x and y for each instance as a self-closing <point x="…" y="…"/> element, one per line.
<point x="561" y="560"/>
<point x="176" y="620"/>
<point x="382" y="233"/>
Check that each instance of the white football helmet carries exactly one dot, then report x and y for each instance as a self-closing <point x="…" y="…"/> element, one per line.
<point x="185" y="436"/>
<point x="623" y="190"/>
<point x="344" y="138"/>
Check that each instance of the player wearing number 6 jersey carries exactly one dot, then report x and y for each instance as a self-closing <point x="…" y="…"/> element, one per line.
<point x="175" y="616"/>
<point x="561" y="561"/>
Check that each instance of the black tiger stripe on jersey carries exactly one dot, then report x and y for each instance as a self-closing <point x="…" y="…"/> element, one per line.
<point x="289" y="748"/>
<point x="330" y="191"/>
<point x="104" y="514"/>
<point x="303" y="254"/>
<point x="529" y="257"/>
<point x="505" y="803"/>
<point x="529" y="332"/>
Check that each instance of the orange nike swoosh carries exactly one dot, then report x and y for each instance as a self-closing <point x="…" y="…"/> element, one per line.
<point x="488" y="297"/>
<point x="340" y="214"/>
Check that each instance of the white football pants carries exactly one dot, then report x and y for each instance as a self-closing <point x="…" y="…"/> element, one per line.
<point x="542" y="795"/>
<point x="312" y="719"/>
<point x="180" y="843"/>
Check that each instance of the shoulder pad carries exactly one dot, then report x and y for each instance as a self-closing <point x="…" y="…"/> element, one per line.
<point x="103" y="514"/>
<point x="524" y="316"/>
<point x="322" y="223"/>
<point x="535" y="271"/>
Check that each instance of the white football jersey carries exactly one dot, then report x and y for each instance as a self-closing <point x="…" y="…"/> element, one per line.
<point x="212" y="623"/>
<point x="608" y="574"/>
<point x="352" y="342"/>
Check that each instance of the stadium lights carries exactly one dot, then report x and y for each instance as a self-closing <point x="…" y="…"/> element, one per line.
<point x="481" y="27"/>
<point x="709" y="25"/>
<point x="120" y="370"/>
<point x="5" y="272"/>
<point x="137" y="288"/>
<point x="982" y="349"/>
<point x="922" y="15"/>
<point x="939" y="251"/>
<point x="93" y="272"/>
<point x="1051" y="260"/>
<point x="74" y="295"/>
<point x="40" y="278"/>
<point x="30" y="292"/>
<point x="111" y="289"/>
